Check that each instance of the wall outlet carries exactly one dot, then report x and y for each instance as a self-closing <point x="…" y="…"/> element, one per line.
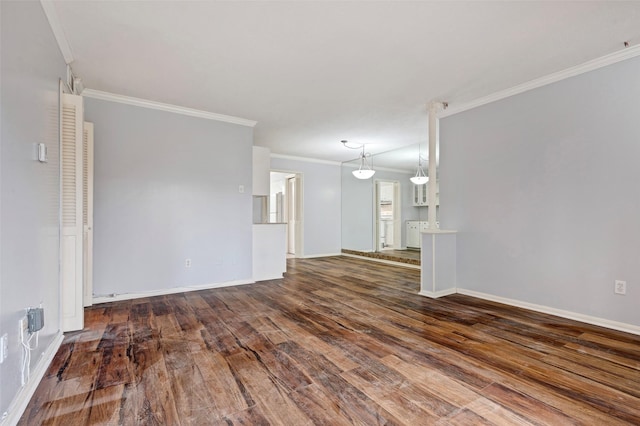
<point x="620" y="287"/>
<point x="187" y="263"/>
<point x="4" y="347"/>
<point x="241" y="189"/>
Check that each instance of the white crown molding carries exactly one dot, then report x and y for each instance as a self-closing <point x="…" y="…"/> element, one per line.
<point x="143" y="103"/>
<point x="305" y="159"/>
<point x="382" y="169"/>
<point x="602" y="322"/>
<point x="603" y="61"/>
<point x="52" y="16"/>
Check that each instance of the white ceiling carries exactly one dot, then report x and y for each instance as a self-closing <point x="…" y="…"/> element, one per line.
<point x="314" y="73"/>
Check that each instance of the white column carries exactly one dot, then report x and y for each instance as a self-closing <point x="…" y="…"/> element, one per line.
<point x="433" y="124"/>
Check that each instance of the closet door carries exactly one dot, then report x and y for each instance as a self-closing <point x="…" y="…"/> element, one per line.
<point x="71" y="220"/>
<point x="87" y="212"/>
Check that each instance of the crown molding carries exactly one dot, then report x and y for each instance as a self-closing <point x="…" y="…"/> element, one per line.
<point x="52" y="16"/>
<point x="305" y="159"/>
<point x="381" y="169"/>
<point x="603" y="61"/>
<point x="143" y="103"/>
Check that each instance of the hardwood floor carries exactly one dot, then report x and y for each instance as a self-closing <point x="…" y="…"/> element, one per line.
<point x="410" y="257"/>
<point x="339" y="341"/>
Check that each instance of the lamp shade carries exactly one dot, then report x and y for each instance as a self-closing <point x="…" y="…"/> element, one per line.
<point x="419" y="180"/>
<point x="363" y="173"/>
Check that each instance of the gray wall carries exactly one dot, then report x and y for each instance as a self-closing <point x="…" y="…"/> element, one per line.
<point x="29" y="193"/>
<point x="321" y="203"/>
<point x="357" y="207"/>
<point x="543" y="187"/>
<point x="166" y="189"/>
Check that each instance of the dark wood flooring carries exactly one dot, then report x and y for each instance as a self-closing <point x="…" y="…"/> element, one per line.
<point x="338" y="341"/>
<point x="410" y="257"/>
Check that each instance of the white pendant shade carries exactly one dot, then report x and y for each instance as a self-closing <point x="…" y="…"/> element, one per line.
<point x="363" y="173"/>
<point x="419" y="180"/>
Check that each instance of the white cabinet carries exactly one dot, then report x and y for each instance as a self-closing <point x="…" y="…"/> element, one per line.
<point x="421" y="195"/>
<point x="269" y="251"/>
<point x="414" y="230"/>
<point x="413" y="234"/>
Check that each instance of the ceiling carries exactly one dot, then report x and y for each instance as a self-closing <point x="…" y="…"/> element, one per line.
<point x="312" y="73"/>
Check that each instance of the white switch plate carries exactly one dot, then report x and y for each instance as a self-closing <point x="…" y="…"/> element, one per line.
<point x="4" y="347"/>
<point x="42" y="153"/>
<point x="620" y="287"/>
<point x="187" y="263"/>
<point x="241" y="189"/>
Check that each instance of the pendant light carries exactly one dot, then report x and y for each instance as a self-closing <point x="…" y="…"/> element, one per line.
<point x="420" y="178"/>
<point x="364" y="171"/>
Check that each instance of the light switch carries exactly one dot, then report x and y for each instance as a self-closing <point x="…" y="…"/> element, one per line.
<point x="42" y="153"/>
<point x="241" y="189"/>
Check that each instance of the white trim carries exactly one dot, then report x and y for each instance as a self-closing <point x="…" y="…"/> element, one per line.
<point x="269" y="278"/>
<point x="163" y="292"/>
<point x="620" y="326"/>
<point x="305" y="159"/>
<point x="436" y="294"/>
<point x="603" y="61"/>
<point x="433" y="264"/>
<point x="19" y="403"/>
<point x="143" y="103"/>
<point x="313" y="256"/>
<point x="388" y="262"/>
<point x="381" y="169"/>
<point x="439" y="231"/>
<point x="52" y="16"/>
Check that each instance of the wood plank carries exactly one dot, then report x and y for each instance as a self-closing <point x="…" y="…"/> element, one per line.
<point x="337" y="341"/>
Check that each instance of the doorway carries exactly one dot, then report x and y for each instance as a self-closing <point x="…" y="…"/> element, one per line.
<point x="387" y="231"/>
<point x="287" y="201"/>
<point x="292" y="216"/>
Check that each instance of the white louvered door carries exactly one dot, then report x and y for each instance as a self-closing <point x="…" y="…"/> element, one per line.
<point x="72" y="217"/>
<point x="87" y="212"/>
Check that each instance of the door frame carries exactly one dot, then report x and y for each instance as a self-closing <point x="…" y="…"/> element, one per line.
<point x="397" y="211"/>
<point x="299" y="207"/>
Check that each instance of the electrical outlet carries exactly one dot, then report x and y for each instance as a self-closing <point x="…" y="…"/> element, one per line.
<point x="4" y="347"/>
<point x="620" y="287"/>
<point x="187" y="263"/>
<point x="241" y="189"/>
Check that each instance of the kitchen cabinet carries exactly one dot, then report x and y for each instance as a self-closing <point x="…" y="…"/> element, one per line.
<point x="421" y="195"/>
<point x="414" y="230"/>
<point x="413" y="234"/>
<point x="269" y="251"/>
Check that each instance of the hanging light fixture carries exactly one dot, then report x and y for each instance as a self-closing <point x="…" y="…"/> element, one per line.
<point x="364" y="171"/>
<point x="420" y="178"/>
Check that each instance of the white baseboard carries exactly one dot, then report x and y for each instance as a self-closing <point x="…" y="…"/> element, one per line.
<point x="19" y="403"/>
<point x="268" y="278"/>
<point x="165" y="291"/>
<point x="620" y="326"/>
<point x="388" y="262"/>
<point x="436" y="294"/>
<point x="313" y="256"/>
